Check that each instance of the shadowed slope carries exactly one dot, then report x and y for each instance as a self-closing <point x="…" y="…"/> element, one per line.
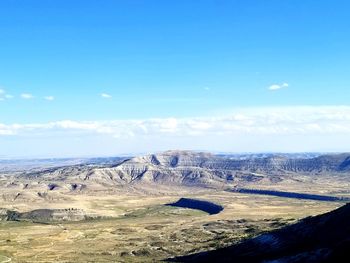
<point x="323" y="238"/>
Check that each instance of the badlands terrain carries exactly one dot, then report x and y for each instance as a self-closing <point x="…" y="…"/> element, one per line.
<point x="143" y="209"/>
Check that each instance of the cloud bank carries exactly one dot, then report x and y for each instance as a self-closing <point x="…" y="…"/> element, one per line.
<point x="268" y="121"/>
<point x="276" y="129"/>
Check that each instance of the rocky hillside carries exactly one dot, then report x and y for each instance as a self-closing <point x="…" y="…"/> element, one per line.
<point x="324" y="238"/>
<point x="274" y="163"/>
<point x="205" y="169"/>
<point x="180" y="168"/>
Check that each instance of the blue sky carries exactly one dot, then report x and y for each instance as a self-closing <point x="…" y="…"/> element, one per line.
<point x="174" y="61"/>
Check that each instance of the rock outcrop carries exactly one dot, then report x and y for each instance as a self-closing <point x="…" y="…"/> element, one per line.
<point x="44" y="215"/>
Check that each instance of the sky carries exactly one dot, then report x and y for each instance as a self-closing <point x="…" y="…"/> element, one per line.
<point x="101" y="78"/>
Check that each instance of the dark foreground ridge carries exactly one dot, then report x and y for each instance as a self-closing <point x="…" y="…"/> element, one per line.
<point x="292" y="195"/>
<point x="209" y="207"/>
<point x="323" y="238"/>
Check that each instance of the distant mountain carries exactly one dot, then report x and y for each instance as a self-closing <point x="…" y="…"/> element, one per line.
<point x="15" y="165"/>
<point x="272" y="163"/>
<point x="323" y="238"/>
<point x="182" y="168"/>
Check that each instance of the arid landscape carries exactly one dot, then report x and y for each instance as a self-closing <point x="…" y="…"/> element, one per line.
<point x="118" y="210"/>
<point x="174" y="131"/>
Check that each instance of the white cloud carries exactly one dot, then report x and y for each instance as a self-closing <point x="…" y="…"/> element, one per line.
<point x="278" y="86"/>
<point x="27" y="96"/>
<point x="299" y="128"/>
<point x="4" y="95"/>
<point x="49" y="98"/>
<point x="311" y="120"/>
<point x="106" y="96"/>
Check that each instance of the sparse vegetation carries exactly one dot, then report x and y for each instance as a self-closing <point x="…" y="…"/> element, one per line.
<point x="147" y="230"/>
<point x="108" y="220"/>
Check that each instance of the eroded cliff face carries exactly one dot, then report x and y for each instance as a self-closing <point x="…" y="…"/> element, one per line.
<point x="180" y="168"/>
<point x="203" y="168"/>
<point x="171" y="167"/>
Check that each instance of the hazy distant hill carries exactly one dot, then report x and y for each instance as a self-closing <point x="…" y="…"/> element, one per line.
<point x="15" y="165"/>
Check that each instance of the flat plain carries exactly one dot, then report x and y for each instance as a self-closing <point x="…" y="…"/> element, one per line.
<point x="142" y="228"/>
